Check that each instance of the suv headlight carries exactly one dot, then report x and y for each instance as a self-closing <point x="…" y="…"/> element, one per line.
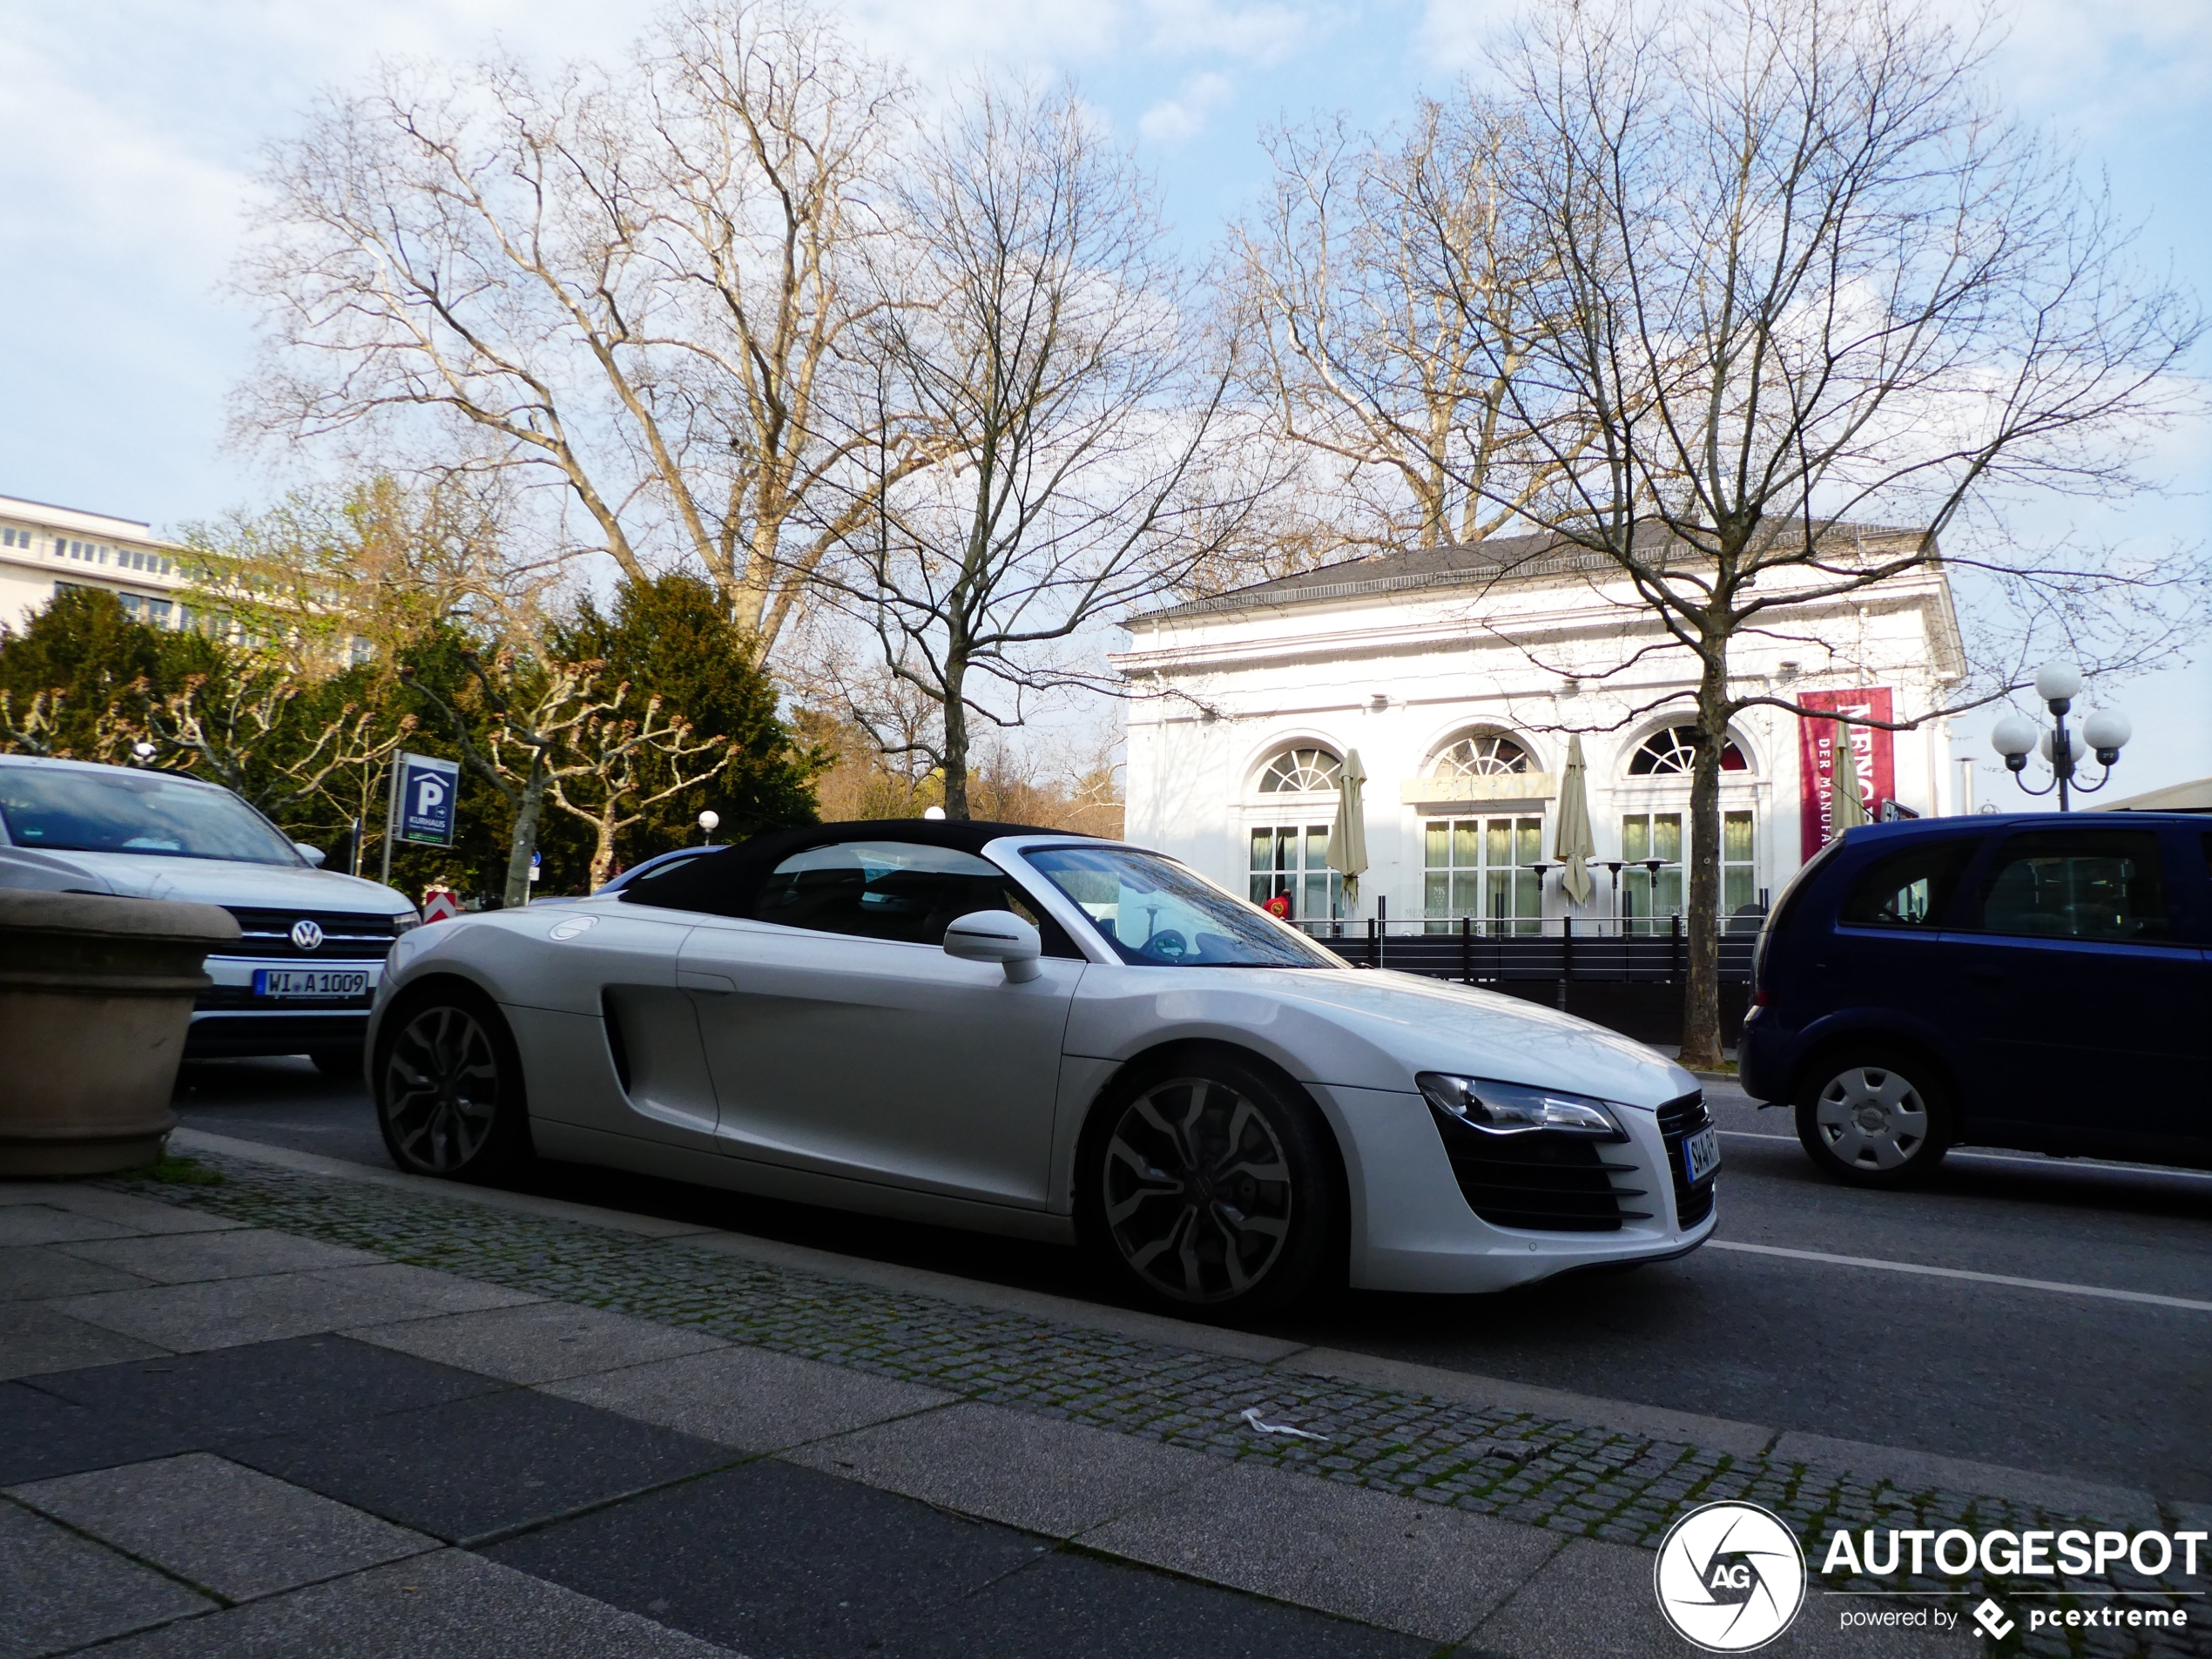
<point x="406" y="922"/>
<point x="1515" y="1108"/>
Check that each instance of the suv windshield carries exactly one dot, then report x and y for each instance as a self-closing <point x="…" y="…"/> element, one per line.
<point x="53" y="809"/>
<point x="1156" y="913"/>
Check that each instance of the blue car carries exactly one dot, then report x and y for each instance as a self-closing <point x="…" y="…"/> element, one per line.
<point x="2036" y="982"/>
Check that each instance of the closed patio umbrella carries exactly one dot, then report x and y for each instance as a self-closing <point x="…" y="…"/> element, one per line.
<point x="1348" y="835"/>
<point x="1846" y="806"/>
<point x="1572" y="845"/>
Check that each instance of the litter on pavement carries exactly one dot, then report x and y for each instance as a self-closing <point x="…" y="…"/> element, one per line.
<point x="1251" y="1416"/>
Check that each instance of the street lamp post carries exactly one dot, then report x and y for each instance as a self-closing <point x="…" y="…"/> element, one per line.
<point x="2106" y="731"/>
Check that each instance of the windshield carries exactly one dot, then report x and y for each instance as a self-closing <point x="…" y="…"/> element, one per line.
<point x="1156" y="913"/>
<point x="58" y="809"/>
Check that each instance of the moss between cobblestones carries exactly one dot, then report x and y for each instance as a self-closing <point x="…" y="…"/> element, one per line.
<point x="177" y="1171"/>
<point x="1565" y="1476"/>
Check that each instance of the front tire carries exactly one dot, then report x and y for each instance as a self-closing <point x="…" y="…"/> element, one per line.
<point x="449" y="1082"/>
<point x="1874" y="1118"/>
<point x="1209" y="1188"/>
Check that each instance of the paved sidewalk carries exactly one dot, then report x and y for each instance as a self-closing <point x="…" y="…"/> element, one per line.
<point x="344" y="1413"/>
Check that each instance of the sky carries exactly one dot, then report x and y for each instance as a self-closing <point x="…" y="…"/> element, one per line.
<point x="131" y="132"/>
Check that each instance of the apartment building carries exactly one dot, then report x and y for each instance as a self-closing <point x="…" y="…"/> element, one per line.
<point x="45" y="549"/>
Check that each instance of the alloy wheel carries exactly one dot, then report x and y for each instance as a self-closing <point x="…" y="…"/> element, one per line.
<point x="442" y="1088"/>
<point x="1197" y="1190"/>
<point x="1872" y="1118"/>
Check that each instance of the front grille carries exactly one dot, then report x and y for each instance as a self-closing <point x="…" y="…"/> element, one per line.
<point x="1679" y="1120"/>
<point x="216" y="1037"/>
<point x="1541" y="1180"/>
<point x="346" y="935"/>
<point x="235" y="998"/>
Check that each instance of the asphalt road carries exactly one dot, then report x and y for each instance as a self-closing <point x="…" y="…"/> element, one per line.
<point x="2039" y="1378"/>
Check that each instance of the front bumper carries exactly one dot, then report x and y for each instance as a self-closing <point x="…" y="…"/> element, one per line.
<point x="1413" y="1228"/>
<point x="228" y="1020"/>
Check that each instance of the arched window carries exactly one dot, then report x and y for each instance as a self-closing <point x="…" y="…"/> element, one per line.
<point x="1301" y="770"/>
<point x="1673" y="753"/>
<point x="1482" y="754"/>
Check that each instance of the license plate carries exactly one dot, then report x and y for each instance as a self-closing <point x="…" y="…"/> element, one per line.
<point x="1701" y="1153"/>
<point x="309" y="984"/>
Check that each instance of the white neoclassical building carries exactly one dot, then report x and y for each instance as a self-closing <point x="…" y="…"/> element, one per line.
<point x="1458" y="674"/>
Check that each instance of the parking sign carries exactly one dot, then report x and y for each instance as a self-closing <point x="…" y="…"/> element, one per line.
<point x="429" y="788"/>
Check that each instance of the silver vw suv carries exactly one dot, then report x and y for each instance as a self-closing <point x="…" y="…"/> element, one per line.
<point x="304" y="974"/>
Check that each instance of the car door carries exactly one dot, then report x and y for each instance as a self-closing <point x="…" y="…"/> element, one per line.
<point x="2076" y="968"/>
<point x="843" y="1040"/>
<point x="1887" y="966"/>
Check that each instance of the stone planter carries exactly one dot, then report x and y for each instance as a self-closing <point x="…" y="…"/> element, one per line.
<point x="95" y="996"/>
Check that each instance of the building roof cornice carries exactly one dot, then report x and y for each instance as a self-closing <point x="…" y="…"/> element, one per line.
<point x="1508" y="558"/>
<point x="1209" y="649"/>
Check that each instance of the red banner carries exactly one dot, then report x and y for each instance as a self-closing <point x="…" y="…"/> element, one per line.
<point x="1874" y="750"/>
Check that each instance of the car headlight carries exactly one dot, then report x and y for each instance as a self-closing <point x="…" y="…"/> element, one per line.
<point x="1515" y="1108"/>
<point x="406" y="922"/>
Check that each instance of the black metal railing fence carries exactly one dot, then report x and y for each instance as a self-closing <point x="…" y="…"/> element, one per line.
<point x="1477" y="950"/>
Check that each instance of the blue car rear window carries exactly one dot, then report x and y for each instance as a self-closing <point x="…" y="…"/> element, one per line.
<point x="1908" y="889"/>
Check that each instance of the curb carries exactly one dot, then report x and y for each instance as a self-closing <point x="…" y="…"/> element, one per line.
<point x="1900" y="1467"/>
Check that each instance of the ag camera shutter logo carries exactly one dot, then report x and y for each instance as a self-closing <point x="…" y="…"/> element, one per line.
<point x="1730" y="1577"/>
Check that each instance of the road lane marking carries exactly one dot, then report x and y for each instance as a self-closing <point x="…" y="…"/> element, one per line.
<point x="2017" y="1157"/>
<point x="2055" y="1285"/>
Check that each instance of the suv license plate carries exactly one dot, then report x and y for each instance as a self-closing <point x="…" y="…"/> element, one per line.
<point x="308" y="984"/>
<point x="1701" y="1153"/>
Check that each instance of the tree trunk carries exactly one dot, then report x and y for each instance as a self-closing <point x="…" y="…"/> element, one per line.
<point x="602" y="855"/>
<point x="955" y="741"/>
<point x="529" y="808"/>
<point x="1701" y="1005"/>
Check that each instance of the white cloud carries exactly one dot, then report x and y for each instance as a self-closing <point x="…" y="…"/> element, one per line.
<point x="930" y="38"/>
<point x="1174" y="122"/>
<point x="2102" y="64"/>
<point x="1258" y="34"/>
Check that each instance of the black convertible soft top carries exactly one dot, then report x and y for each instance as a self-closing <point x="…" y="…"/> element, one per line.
<point x="727" y="881"/>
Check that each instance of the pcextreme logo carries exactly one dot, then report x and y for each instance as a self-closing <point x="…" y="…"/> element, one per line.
<point x="1730" y="1577"/>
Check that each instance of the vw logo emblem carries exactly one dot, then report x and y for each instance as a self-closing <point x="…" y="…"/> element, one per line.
<point x="306" y="935"/>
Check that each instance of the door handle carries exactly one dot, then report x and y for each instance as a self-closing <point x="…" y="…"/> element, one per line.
<point x="690" y="979"/>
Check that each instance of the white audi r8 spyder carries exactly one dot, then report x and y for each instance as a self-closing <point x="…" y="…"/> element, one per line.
<point x="1045" y="1035"/>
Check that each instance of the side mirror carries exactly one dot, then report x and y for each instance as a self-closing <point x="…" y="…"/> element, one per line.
<point x="312" y="854"/>
<point x="996" y="936"/>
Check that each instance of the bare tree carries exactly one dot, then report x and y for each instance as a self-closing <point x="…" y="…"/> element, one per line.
<point x="530" y="710"/>
<point x="550" y="730"/>
<point x="38" y="727"/>
<point x="265" y="738"/>
<point x="1042" y="369"/>
<point x="1802" y="274"/>
<point x="1395" y="290"/>
<point x="637" y="283"/>
<point x="608" y="779"/>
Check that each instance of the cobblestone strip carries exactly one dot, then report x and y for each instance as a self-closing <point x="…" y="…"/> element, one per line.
<point x="1571" y="1478"/>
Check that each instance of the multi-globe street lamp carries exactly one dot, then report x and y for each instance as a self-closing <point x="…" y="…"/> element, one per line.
<point x="2106" y="731"/>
